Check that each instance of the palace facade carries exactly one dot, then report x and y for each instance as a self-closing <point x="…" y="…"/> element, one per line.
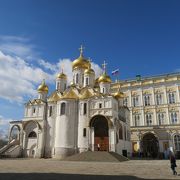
<point x="154" y="104"/>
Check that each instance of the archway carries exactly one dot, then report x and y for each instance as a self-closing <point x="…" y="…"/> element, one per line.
<point x="15" y="133"/>
<point x="101" y="134"/>
<point x="150" y="145"/>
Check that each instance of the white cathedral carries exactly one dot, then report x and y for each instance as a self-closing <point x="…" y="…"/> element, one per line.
<point x="82" y="116"/>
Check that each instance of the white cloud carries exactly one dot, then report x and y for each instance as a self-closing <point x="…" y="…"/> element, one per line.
<point x="4" y="125"/>
<point x="48" y="65"/>
<point x="19" y="78"/>
<point x="17" y="46"/>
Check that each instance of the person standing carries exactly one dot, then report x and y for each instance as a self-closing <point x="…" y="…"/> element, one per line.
<point x="173" y="163"/>
<point x="98" y="146"/>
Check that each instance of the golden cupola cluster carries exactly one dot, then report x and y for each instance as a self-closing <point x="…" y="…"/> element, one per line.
<point x="43" y="88"/>
<point x="80" y="62"/>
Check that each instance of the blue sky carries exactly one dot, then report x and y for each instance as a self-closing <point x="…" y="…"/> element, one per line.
<point x="36" y="37"/>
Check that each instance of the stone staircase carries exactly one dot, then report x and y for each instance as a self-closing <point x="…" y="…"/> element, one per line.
<point x="99" y="156"/>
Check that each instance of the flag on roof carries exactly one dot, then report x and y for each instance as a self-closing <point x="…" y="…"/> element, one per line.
<point x="115" y="72"/>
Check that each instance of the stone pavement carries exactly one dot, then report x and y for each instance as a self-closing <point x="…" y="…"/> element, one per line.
<point x="47" y="169"/>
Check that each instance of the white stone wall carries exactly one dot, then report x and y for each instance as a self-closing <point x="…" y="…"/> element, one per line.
<point x="66" y="130"/>
<point x="83" y="120"/>
<point x="104" y="88"/>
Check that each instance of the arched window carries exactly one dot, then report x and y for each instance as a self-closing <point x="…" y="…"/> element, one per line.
<point x="147" y="100"/>
<point x="174" y="117"/>
<point x="63" y="108"/>
<point x="148" y="119"/>
<point x="120" y="133"/>
<point x="50" y="111"/>
<point x="136" y="120"/>
<point x="77" y="78"/>
<point x="87" y="81"/>
<point x="85" y="108"/>
<point x="171" y="97"/>
<point x="32" y="135"/>
<point x="161" y="118"/>
<point x="177" y="142"/>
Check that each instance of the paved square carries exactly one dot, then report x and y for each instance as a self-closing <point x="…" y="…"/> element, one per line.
<point x="56" y="169"/>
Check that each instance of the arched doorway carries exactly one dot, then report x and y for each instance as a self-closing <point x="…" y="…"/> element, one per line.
<point x="101" y="134"/>
<point x="150" y="145"/>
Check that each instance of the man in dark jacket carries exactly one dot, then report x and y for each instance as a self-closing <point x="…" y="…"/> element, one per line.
<point x="173" y="163"/>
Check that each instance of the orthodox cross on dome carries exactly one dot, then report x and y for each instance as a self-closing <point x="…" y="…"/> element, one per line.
<point x="81" y="50"/>
<point x="90" y="61"/>
<point x="104" y="66"/>
<point x="62" y="67"/>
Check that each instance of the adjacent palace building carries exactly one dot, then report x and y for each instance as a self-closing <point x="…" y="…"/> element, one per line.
<point x="130" y="117"/>
<point x="154" y="104"/>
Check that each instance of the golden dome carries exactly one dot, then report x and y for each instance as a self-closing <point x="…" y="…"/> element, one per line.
<point x="89" y="71"/>
<point x="118" y="95"/>
<point x="80" y="62"/>
<point x="104" y="78"/>
<point x="43" y="87"/>
<point x="62" y="76"/>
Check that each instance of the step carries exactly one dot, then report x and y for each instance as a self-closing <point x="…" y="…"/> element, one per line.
<point x="99" y="156"/>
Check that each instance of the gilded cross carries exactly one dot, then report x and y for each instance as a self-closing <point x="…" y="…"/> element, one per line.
<point x="81" y="49"/>
<point x="104" y="66"/>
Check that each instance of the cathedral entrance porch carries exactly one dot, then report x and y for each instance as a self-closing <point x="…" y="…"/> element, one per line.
<point x="101" y="133"/>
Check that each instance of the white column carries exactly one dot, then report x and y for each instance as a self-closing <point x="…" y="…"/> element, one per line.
<point x="130" y="99"/>
<point x="167" y="116"/>
<point x="155" y="117"/>
<point x="165" y="100"/>
<point x="153" y="98"/>
<point x="177" y="97"/>
<point x="141" y="98"/>
<point x="111" y="140"/>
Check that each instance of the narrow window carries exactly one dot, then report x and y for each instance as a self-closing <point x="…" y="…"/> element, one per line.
<point x="85" y="109"/>
<point x="77" y="78"/>
<point x="50" y="111"/>
<point x="100" y="105"/>
<point x="63" y="107"/>
<point x="87" y="82"/>
<point x="34" y="109"/>
<point x="120" y="132"/>
<point x="84" y="132"/>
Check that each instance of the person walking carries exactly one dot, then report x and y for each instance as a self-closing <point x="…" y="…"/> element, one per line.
<point x="173" y="163"/>
<point x="98" y="146"/>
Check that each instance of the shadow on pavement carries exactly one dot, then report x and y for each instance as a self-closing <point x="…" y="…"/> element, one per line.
<point x="54" y="176"/>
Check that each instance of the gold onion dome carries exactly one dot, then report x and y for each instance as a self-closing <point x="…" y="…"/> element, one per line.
<point x="80" y="62"/>
<point x="43" y="87"/>
<point x="62" y="76"/>
<point x="104" y="78"/>
<point x="89" y="70"/>
<point x="118" y="95"/>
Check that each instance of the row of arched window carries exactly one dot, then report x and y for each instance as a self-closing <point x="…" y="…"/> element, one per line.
<point x="147" y="99"/>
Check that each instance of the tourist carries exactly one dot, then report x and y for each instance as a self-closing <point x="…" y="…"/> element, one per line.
<point x="98" y="146"/>
<point x="173" y="162"/>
